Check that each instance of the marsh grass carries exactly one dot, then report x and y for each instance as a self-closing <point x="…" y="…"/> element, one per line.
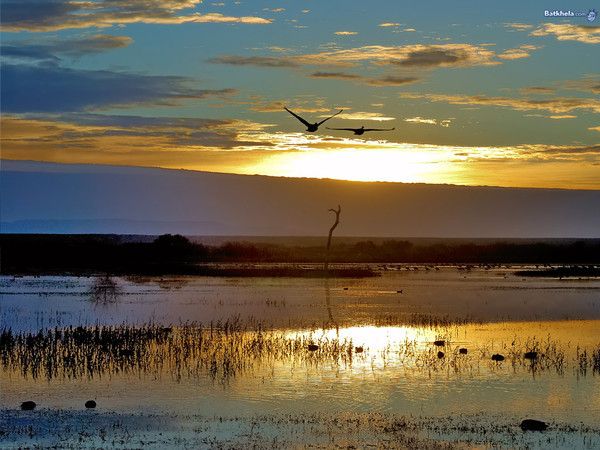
<point x="222" y="350"/>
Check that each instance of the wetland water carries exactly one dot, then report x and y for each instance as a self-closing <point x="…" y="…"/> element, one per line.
<point x="224" y="356"/>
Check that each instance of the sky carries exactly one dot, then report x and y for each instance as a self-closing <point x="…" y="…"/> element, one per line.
<point x="478" y="94"/>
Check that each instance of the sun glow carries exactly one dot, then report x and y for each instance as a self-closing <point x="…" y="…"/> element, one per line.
<point x="406" y="165"/>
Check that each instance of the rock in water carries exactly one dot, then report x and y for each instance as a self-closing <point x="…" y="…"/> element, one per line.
<point x="463" y="351"/>
<point x="313" y="347"/>
<point x="440" y="355"/>
<point x="358" y="349"/>
<point x="439" y="343"/>
<point x="530" y="355"/>
<point x="28" y="406"/>
<point x="497" y="357"/>
<point x="90" y="404"/>
<point x="533" y="425"/>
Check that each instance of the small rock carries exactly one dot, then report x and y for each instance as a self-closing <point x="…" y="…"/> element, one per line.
<point x="440" y="355"/>
<point x="358" y="349"/>
<point x="313" y="347"/>
<point x="28" y="405"/>
<point x="533" y="425"/>
<point x="90" y="404"/>
<point x="399" y="291"/>
<point x="497" y="357"/>
<point x="345" y="288"/>
<point x="439" y="343"/>
<point x="530" y="355"/>
<point x="463" y="351"/>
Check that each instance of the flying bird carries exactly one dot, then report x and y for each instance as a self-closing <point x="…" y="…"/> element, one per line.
<point x="311" y="127"/>
<point x="361" y="130"/>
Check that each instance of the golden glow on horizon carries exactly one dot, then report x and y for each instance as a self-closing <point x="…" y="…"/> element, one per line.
<point x="411" y="166"/>
<point x="245" y="147"/>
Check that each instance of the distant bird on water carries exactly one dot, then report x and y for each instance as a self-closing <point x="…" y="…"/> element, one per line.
<point x="311" y="127"/>
<point x="361" y="130"/>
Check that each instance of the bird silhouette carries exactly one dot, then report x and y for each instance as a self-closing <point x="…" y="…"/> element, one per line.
<point x="311" y="127"/>
<point x="361" y="130"/>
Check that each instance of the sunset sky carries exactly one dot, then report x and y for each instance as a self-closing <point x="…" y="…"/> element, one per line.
<point x="478" y="93"/>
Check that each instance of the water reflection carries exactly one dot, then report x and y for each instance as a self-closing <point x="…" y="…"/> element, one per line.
<point x="330" y="320"/>
<point x="104" y="291"/>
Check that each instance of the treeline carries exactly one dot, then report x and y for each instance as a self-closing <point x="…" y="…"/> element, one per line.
<point x="175" y="253"/>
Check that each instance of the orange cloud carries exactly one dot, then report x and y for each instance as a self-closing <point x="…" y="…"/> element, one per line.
<point x="569" y="32"/>
<point x="65" y="14"/>
<point x="556" y="105"/>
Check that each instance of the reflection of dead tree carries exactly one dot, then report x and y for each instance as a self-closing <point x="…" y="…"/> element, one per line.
<point x="331" y="321"/>
<point x="335" y="224"/>
<point x="104" y="290"/>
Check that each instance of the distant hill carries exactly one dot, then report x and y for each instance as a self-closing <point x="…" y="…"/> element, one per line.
<point x="59" y="198"/>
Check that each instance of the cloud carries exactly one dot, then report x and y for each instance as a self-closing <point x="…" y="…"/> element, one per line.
<point x="360" y="115"/>
<point x="391" y="80"/>
<point x="53" y="15"/>
<point x="258" y="61"/>
<point x="27" y="88"/>
<point x="389" y="24"/>
<point x="523" y="51"/>
<point x="250" y="147"/>
<point x="421" y="120"/>
<point x="562" y="116"/>
<point x="336" y="75"/>
<point x="345" y="33"/>
<point x="569" y="32"/>
<point x="538" y="90"/>
<point x="53" y="49"/>
<point x="595" y="128"/>
<point x="311" y="105"/>
<point x="590" y="83"/>
<point x="557" y="105"/>
<point x="444" y="122"/>
<point x="518" y="26"/>
<point x="415" y="55"/>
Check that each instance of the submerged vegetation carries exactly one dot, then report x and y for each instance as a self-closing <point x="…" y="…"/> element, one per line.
<point x="174" y="254"/>
<point x="223" y="350"/>
<point x="74" y="429"/>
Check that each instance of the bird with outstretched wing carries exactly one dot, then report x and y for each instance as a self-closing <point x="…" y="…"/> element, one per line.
<point x="311" y="127"/>
<point x="361" y="130"/>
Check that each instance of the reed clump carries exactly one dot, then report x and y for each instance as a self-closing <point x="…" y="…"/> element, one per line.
<point x="224" y="349"/>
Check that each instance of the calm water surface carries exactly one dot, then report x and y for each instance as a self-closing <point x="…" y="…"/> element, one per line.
<point x="397" y="372"/>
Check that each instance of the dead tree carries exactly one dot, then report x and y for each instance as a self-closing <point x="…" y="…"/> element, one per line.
<point x="335" y="224"/>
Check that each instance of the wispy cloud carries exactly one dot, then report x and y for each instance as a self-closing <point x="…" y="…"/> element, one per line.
<point x="416" y="55"/>
<point x="40" y="16"/>
<point x="544" y="90"/>
<point x="562" y="116"/>
<point x="388" y="80"/>
<point x="258" y="61"/>
<point x="389" y="24"/>
<point x="595" y="128"/>
<point x="54" y="48"/>
<point x="336" y="75"/>
<point x="556" y="105"/>
<point x="346" y="33"/>
<point x="361" y="115"/>
<point x="523" y="51"/>
<point x="569" y="32"/>
<point x="391" y="80"/>
<point x="518" y="26"/>
<point x="421" y="120"/>
<point x="30" y="88"/>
